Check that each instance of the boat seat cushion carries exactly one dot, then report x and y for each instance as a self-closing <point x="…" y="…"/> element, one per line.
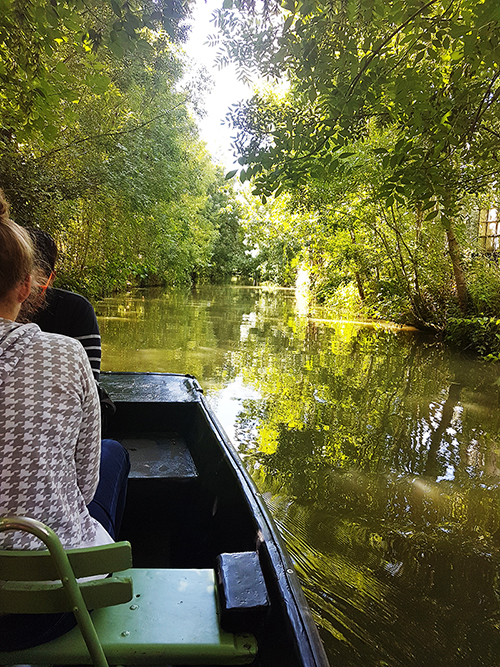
<point x="172" y="619"/>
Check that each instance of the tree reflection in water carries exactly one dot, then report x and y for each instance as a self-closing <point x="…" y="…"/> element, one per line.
<point x="377" y="453"/>
<point x="380" y="466"/>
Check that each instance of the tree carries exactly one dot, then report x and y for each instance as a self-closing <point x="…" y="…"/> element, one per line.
<point x="277" y="238"/>
<point x="121" y="183"/>
<point x="393" y="256"/>
<point x="225" y="212"/>
<point x="39" y="88"/>
<point x="429" y="70"/>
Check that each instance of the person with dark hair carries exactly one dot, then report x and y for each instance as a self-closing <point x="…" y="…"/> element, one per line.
<point x="45" y="249"/>
<point x="51" y="467"/>
<point x="60" y="311"/>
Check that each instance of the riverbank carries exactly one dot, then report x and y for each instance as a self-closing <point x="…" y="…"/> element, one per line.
<point x="479" y="336"/>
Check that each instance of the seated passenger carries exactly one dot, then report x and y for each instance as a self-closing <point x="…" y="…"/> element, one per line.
<point x="50" y="447"/>
<point x="60" y="311"/>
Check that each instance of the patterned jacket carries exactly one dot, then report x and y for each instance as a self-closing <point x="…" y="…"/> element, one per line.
<point x="49" y="435"/>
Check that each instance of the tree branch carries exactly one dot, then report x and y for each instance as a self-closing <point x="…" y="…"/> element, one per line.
<point x="479" y="112"/>
<point x="393" y="34"/>
<point x="112" y="133"/>
<point x="495" y="134"/>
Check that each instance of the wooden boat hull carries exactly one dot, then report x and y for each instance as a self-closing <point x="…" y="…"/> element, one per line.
<point x="190" y="500"/>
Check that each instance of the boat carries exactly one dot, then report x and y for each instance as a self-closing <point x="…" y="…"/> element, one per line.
<point x="191" y="504"/>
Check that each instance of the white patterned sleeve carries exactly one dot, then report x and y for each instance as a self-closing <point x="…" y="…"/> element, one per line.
<point x="88" y="448"/>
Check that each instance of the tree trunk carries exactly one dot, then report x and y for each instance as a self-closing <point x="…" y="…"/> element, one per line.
<point x="357" y="275"/>
<point x="419" y="218"/>
<point x="359" y="284"/>
<point x="458" y="272"/>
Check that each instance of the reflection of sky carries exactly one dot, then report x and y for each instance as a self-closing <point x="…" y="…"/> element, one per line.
<point x="302" y="294"/>
<point x="248" y="321"/>
<point x="449" y="474"/>
<point x="226" y="403"/>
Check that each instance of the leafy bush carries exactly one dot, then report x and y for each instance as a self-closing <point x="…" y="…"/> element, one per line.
<point x="476" y="334"/>
<point x="484" y="286"/>
<point x="345" y="300"/>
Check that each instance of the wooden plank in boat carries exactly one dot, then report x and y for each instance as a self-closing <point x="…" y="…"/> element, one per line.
<point x="165" y="457"/>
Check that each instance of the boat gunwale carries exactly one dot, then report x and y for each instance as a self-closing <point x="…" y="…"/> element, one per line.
<point x="293" y="594"/>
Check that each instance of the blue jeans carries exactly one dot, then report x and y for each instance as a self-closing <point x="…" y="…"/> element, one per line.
<point x="19" y="631"/>
<point x="109" y="499"/>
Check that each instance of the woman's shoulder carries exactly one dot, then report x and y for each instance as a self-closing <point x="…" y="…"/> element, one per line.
<point x="16" y="338"/>
<point x="58" y="343"/>
<point x="25" y="349"/>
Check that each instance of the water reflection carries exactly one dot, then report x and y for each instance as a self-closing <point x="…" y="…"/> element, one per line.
<point x="377" y="451"/>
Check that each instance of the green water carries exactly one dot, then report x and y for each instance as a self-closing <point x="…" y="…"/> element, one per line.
<point x="376" y="450"/>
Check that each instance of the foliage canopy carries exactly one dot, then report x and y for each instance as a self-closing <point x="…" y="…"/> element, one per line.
<point x="399" y="99"/>
<point x="98" y="143"/>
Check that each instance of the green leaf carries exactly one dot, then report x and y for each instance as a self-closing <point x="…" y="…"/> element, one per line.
<point x="116" y="8"/>
<point x="307" y="7"/>
<point x="50" y="133"/>
<point x="230" y="174"/>
<point x="61" y="68"/>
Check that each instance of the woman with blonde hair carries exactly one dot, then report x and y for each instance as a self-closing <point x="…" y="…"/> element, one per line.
<point x="49" y="433"/>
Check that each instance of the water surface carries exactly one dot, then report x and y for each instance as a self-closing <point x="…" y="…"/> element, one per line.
<point x="377" y="451"/>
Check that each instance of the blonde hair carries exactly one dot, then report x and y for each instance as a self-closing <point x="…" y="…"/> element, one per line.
<point x="17" y="257"/>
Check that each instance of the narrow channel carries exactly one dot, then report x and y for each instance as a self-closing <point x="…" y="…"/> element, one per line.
<point x="377" y="450"/>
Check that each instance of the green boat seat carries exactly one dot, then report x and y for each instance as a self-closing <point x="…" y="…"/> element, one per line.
<point x="158" y="616"/>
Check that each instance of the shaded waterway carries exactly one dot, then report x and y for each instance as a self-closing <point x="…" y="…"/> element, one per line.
<point x="378" y="452"/>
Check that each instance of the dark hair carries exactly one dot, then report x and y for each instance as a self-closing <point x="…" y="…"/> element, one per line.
<point x="17" y="257"/>
<point x="45" y="248"/>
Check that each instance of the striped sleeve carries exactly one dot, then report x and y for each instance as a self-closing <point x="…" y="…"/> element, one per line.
<point x="92" y="346"/>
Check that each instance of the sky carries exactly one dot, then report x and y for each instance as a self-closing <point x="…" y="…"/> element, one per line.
<point x="227" y="90"/>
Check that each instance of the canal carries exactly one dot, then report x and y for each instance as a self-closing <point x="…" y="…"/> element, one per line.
<point x="377" y="451"/>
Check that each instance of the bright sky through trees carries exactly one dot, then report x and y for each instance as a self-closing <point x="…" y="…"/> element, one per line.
<point x="227" y="89"/>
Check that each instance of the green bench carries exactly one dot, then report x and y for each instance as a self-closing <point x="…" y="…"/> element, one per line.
<point x="140" y="616"/>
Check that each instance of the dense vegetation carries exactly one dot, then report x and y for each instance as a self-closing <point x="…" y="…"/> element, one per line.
<point x="99" y="146"/>
<point x="388" y="135"/>
<point x="371" y="159"/>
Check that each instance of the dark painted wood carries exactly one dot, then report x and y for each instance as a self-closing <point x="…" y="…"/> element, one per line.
<point x="188" y="521"/>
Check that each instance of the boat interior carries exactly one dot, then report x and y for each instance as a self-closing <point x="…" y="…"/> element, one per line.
<point x="185" y="506"/>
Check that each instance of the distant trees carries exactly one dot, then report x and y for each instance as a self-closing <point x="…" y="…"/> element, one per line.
<point x="225" y="213"/>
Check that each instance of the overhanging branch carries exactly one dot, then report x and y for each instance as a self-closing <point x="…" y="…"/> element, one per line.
<point x="114" y="133"/>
